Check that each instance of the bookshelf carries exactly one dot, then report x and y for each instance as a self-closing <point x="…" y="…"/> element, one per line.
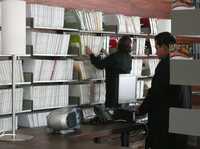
<point x="54" y="56"/>
<point x="188" y="33"/>
<point x="6" y="84"/>
<point x="185" y="121"/>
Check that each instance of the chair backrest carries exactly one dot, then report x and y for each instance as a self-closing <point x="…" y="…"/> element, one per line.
<point x="127" y="88"/>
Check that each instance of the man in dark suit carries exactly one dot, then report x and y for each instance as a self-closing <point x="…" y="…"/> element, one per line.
<point x="117" y="63"/>
<point x="161" y="96"/>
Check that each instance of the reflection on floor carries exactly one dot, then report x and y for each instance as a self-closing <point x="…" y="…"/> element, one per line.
<point x="137" y="140"/>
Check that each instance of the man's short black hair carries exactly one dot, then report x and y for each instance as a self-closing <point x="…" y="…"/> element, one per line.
<point x="165" y="38"/>
<point x="124" y="44"/>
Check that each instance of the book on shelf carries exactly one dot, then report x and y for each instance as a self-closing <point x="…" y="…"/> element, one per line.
<point x="144" y="67"/>
<point x="145" y="25"/>
<point x="85" y="70"/>
<point x="78" y="43"/>
<point x="142" y="87"/>
<point x="46" y="70"/>
<point x="6" y="72"/>
<point x="80" y="92"/>
<point x="88" y="93"/>
<point x="153" y="46"/>
<point x="75" y="45"/>
<point x="147" y="86"/>
<point x="63" y="70"/>
<point x="84" y="20"/>
<point x="95" y="43"/>
<point x="45" y="16"/>
<point x="72" y="20"/>
<point x="136" y="67"/>
<point x="6" y="100"/>
<point x="152" y="65"/>
<point x="160" y="25"/>
<point x="6" y="124"/>
<point x="48" y="43"/>
<point x="45" y="97"/>
<point x="139" y="89"/>
<point x="79" y="72"/>
<point x="154" y="25"/>
<point x="138" y="46"/>
<point x="98" y="93"/>
<point x="125" y="24"/>
<point x="32" y="120"/>
<point x="143" y="47"/>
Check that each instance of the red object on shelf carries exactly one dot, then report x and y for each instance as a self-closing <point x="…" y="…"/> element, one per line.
<point x="145" y="22"/>
<point x="113" y="42"/>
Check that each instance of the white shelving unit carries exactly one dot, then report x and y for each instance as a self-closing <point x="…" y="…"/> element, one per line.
<point x="13" y="136"/>
<point x="185" y="23"/>
<point x="185" y="72"/>
<point x="59" y="30"/>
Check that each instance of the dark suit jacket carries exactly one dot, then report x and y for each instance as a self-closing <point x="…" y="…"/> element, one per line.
<point x="115" y="64"/>
<point x="160" y="98"/>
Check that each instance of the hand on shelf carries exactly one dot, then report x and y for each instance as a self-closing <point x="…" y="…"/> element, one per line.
<point x="88" y="50"/>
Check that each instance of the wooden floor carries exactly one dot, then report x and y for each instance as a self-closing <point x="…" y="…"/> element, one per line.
<point x="43" y="140"/>
<point x="79" y="140"/>
<point x="83" y="139"/>
<point x="107" y="137"/>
